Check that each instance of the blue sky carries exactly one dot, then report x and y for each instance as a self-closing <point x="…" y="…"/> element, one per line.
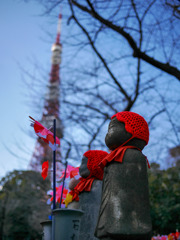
<point x="22" y="39"/>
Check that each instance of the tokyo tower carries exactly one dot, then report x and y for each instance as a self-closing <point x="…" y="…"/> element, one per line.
<point x="51" y="110"/>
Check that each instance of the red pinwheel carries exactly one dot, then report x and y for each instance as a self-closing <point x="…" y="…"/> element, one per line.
<point x="45" y="167"/>
<point x="45" y="134"/>
<point x="74" y="173"/>
<point x="58" y="194"/>
<point x="71" y="172"/>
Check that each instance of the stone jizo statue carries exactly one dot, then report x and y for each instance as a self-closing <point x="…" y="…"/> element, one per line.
<point x="87" y="191"/>
<point x="125" y="211"/>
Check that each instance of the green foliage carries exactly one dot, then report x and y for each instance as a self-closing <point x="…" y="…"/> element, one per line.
<point x="23" y="205"/>
<point x="164" y="188"/>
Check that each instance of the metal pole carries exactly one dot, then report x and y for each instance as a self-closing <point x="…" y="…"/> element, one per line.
<point x="63" y="184"/>
<point x="54" y="168"/>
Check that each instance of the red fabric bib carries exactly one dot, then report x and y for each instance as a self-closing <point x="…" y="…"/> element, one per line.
<point x="117" y="155"/>
<point x="85" y="184"/>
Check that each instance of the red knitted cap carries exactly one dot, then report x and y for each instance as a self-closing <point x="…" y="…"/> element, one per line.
<point x="94" y="158"/>
<point x="134" y="124"/>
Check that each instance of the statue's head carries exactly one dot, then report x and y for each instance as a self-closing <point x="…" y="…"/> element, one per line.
<point x="127" y="128"/>
<point x="90" y="164"/>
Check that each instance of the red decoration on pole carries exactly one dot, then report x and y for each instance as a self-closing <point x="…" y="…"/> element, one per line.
<point x="45" y="134"/>
<point x="50" y="138"/>
<point x="45" y="167"/>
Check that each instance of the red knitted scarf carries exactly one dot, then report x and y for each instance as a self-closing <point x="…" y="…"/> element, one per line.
<point x="117" y="155"/>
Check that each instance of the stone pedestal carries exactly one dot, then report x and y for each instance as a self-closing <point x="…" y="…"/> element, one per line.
<point x="47" y="230"/>
<point x="66" y="224"/>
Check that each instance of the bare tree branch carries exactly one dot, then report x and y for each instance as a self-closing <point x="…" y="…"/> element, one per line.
<point x="101" y="58"/>
<point x="96" y="133"/>
<point x="155" y="115"/>
<point x="166" y="67"/>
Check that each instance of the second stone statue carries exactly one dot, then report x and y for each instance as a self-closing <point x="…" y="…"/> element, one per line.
<point x="86" y="192"/>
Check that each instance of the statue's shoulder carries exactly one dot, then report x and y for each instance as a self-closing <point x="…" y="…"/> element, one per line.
<point x="134" y="154"/>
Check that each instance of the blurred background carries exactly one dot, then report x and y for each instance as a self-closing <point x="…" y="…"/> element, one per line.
<point x="116" y="56"/>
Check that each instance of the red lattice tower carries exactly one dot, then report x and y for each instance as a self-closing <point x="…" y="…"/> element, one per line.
<point x="51" y="111"/>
